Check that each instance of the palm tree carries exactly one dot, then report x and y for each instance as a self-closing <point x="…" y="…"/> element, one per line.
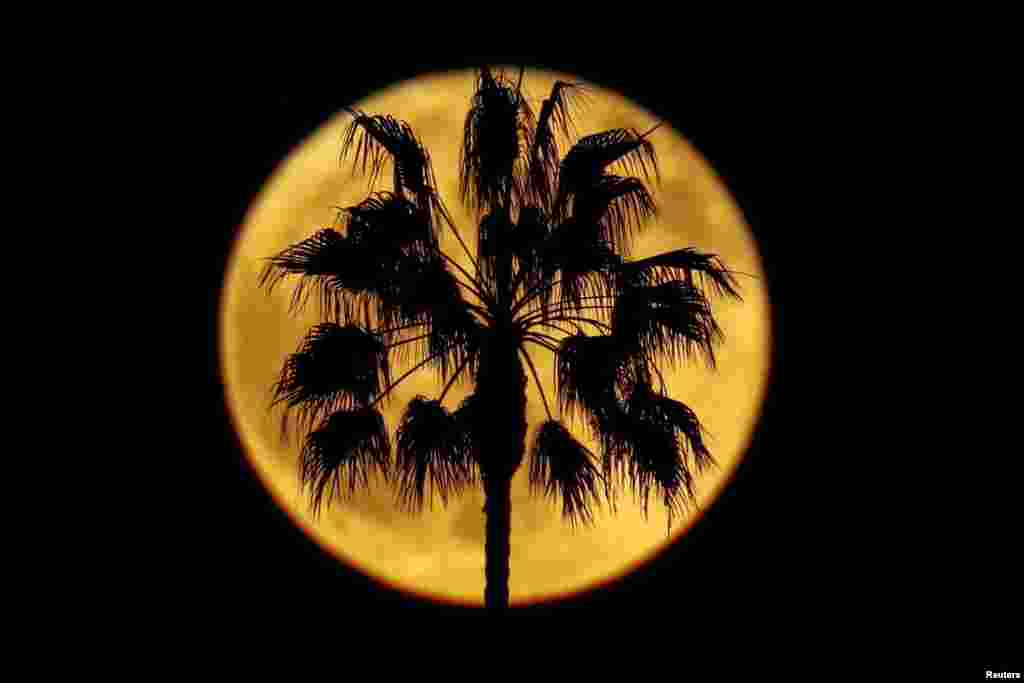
<point x="550" y="271"/>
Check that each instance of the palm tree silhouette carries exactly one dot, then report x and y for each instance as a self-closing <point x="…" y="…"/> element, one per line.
<point x="550" y="271"/>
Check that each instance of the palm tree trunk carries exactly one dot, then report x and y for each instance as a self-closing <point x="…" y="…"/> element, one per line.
<point x="499" y="531"/>
<point x="501" y="384"/>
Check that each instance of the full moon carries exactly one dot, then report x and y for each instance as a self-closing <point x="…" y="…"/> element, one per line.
<point x="439" y="554"/>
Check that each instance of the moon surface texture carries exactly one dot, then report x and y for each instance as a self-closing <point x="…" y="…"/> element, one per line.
<point x="439" y="554"/>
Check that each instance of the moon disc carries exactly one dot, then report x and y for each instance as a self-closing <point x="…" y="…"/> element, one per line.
<point x="439" y="554"/>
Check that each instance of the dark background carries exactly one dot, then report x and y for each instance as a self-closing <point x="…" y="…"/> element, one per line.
<point x="805" y="534"/>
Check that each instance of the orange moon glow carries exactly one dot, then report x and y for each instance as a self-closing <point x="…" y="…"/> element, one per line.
<point x="439" y="554"/>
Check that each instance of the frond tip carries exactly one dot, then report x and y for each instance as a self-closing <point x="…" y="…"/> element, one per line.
<point x="380" y="136"/>
<point x="498" y="124"/>
<point x="434" y="449"/>
<point x="706" y="271"/>
<point x="588" y="159"/>
<point x="561" y="465"/>
<point x="319" y="261"/>
<point x="556" y="114"/>
<point x="338" y="458"/>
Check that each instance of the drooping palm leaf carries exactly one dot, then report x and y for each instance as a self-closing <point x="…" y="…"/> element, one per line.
<point x="497" y="126"/>
<point x="654" y="444"/>
<point x="328" y="266"/>
<point x="336" y="367"/>
<point x="615" y="208"/>
<point x="646" y="404"/>
<point x="562" y="466"/>
<point x="589" y="369"/>
<point x="673" y="320"/>
<point x="706" y="271"/>
<point x="556" y="114"/>
<point x="584" y="265"/>
<point x="339" y="456"/>
<point x="583" y="166"/>
<point x="644" y="454"/>
<point x="433" y="454"/>
<point x="379" y="136"/>
<point x="653" y="463"/>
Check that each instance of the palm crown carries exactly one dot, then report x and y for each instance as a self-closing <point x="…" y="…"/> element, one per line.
<point x="550" y="270"/>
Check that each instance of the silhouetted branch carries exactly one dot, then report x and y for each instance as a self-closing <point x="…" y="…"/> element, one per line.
<point x="451" y="381"/>
<point x="539" y="341"/>
<point x="597" y="323"/>
<point x="469" y="254"/>
<point x="532" y="294"/>
<point x="401" y="379"/>
<point x="546" y="324"/>
<point x="546" y="312"/>
<point x="406" y="341"/>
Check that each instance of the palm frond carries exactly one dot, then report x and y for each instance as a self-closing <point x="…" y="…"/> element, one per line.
<point x="556" y="114"/>
<point x="433" y="454"/>
<point x="379" y="273"/>
<point x="497" y="124"/>
<point x="584" y="164"/>
<point x="586" y="265"/>
<point x="379" y="136"/>
<point x="646" y="404"/>
<point x="495" y="231"/>
<point x="706" y="271"/>
<point x="339" y="456"/>
<point x="327" y="266"/>
<point x="616" y="208"/>
<point x="526" y="242"/>
<point x="562" y="466"/>
<point x="589" y="369"/>
<point x="336" y="367"/>
<point x="455" y="336"/>
<point x="424" y="291"/>
<point x="672" y="319"/>
<point x="652" y="462"/>
<point x="389" y="224"/>
<point x="655" y="443"/>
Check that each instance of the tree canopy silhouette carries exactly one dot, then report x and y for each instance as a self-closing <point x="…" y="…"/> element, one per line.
<point x="551" y="271"/>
